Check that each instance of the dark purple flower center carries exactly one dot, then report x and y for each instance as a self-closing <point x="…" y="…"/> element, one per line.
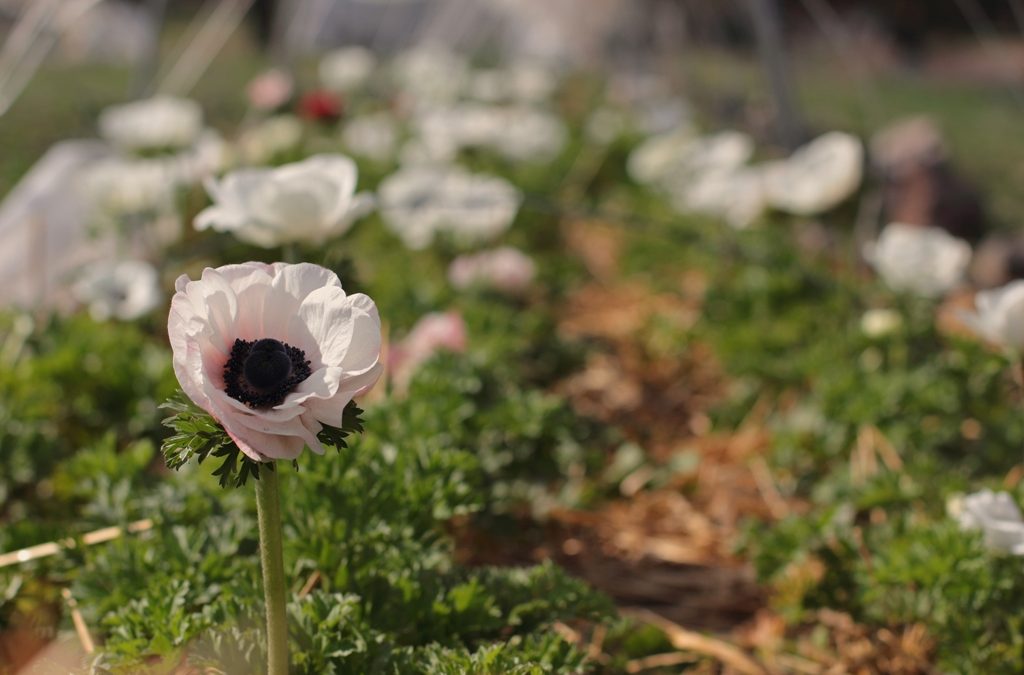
<point x="261" y="373"/>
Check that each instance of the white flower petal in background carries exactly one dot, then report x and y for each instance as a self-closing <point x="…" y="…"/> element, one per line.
<point x="158" y="123"/>
<point x="374" y="136"/>
<point x="273" y="352"/>
<point x="925" y="261"/>
<point x="996" y="515"/>
<point x="521" y="82"/>
<point x="735" y="195"/>
<point x="505" y="269"/>
<point x="308" y="201"/>
<point x="673" y="159"/>
<point x="518" y="133"/>
<point x="412" y="203"/>
<point x="429" y="74"/>
<point x="125" y="290"/>
<point x="346" y="69"/>
<point x="210" y="154"/>
<point x="529" y="135"/>
<point x="817" y="177"/>
<point x="653" y="159"/>
<point x="420" y="202"/>
<point x="999" y="315"/>
<point x="479" y="208"/>
<point x="879" y="322"/>
<point x="268" y="139"/>
<point x="117" y="187"/>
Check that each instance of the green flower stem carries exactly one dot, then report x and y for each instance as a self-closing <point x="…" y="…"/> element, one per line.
<point x="290" y="253"/>
<point x="268" y="510"/>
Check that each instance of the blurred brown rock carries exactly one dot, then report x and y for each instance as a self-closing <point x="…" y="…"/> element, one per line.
<point x="921" y="185"/>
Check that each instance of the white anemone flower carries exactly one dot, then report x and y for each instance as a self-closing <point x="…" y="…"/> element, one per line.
<point x="672" y="158"/>
<point x="518" y="133"/>
<point x="116" y="187"/>
<point x="999" y="315"/>
<point x="505" y="269"/>
<point x="736" y="196"/>
<point x="126" y="290"/>
<point x="273" y="352"/>
<point x="925" y="261"/>
<point x="996" y="514"/>
<point x="523" y="82"/>
<point x="308" y="201"/>
<point x="817" y="177"/>
<point x="374" y="136"/>
<point x="346" y="69"/>
<point x="528" y="134"/>
<point x="158" y="123"/>
<point x="419" y="202"/>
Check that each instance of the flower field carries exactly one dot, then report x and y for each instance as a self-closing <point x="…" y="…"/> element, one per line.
<point x="424" y="361"/>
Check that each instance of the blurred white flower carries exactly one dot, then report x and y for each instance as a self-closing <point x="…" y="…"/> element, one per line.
<point x="308" y="201"/>
<point x="209" y="155"/>
<point x="505" y="269"/>
<point x="346" y="69"/>
<point x="270" y="89"/>
<point x="675" y="158"/>
<point x="518" y="133"/>
<point x="270" y="138"/>
<point x="817" y="177"/>
<point x="999" y="315"/>
<point x="528" y="134"/>
<point x="374" y="136"/>
<point x="735" y="195"/>
<point x="522" y="82"/>
<point x="996" y="514"/>
<point x="879" y="322"/>
<point x="429" y="74"/>
<point x="421" y="201"/>
<point x="118" y="187"/>
<point x="158" y="123"/>
<point x="124" y="290"/>
<point x="925" y="261"/>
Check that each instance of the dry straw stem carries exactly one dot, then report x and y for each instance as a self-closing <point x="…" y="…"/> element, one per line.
<point x="687" y="640"/>
<point x="54" y="547"/>
<point x="81" y="630"/>
<point x="310" y="584"/>
<point x="872" y="445"/>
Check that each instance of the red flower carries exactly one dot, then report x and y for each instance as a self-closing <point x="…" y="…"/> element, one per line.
<point x="321" y="106"/>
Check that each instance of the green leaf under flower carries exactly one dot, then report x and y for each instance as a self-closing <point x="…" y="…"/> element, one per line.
<point x="198" y="435"/>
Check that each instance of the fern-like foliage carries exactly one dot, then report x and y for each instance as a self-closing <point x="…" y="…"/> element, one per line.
<point x="198" y="435"/>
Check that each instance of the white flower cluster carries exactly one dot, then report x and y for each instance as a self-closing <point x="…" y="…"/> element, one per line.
<point x="518" y="133"/>
<point x="420" y="202"/>
<point x="711" y="174"/>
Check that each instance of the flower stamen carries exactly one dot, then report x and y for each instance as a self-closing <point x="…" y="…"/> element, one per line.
<point x="261" y="373"/>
